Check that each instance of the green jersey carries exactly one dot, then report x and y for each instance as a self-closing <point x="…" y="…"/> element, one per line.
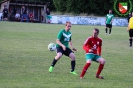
<point x="109" y="18"/>
<point x="64" y="37"/>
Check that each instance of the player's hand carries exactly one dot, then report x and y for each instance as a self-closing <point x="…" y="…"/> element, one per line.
<point x="74" y="49"/>
<point x="90" y="51"/>
<point x="127" y="29"/>
<point x="64" y="47"/>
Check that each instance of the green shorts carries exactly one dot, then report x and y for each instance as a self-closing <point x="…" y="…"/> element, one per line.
<point x="49" y="17"/>
<point x="92" y="57"/>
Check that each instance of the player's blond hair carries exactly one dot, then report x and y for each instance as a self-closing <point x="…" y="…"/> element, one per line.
<point x="68" y="23"/>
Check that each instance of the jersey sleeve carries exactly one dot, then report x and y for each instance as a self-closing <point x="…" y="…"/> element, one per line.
<point x="59" y="35"/>
<point x="86" y="45"/>
<point x="70" y="39"/>
<point x="99" y="48"/>
<point x="70" y="36"/>
<point x="106" y="16"/>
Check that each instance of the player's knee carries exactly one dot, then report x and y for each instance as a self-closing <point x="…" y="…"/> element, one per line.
<point x="103" y="61"/>
<point x="72" y="56"/>
<point x="88" y="61"/>
<point x="58" y="56"/>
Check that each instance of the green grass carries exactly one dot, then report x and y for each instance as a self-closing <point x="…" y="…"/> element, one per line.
<point x="25" y="59"/>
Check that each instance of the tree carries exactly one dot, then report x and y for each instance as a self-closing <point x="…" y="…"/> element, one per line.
<point x="60" y="5"/>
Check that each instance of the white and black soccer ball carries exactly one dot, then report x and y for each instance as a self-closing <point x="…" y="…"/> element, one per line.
<point x="51" y="47"/>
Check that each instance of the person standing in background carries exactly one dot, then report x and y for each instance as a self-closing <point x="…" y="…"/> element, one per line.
<point x="5" y="13"/>
<point x="108" y="22"/>
<point x="48" y="15"/>
<point x="130" y="29"/>
<point x="24" y="14"/>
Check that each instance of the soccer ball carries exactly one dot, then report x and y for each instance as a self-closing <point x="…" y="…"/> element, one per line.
<point x="51" y="47"/>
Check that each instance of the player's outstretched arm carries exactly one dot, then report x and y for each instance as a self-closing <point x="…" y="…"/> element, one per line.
<point x="71" y="45"/>
<point x="128" y="27"/>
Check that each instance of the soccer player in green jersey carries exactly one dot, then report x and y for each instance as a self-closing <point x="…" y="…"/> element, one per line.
<point x="63" y="40"/>
<point x="108" y="22"/>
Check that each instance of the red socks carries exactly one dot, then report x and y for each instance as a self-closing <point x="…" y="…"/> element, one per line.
<point x="100" y="68"/>
<point x="85" y="69"/>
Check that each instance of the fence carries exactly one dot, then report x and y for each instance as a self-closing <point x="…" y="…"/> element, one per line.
<point x="83" y="20"/>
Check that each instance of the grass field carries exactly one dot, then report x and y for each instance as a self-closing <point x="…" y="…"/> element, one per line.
<point x="25" y="59"/>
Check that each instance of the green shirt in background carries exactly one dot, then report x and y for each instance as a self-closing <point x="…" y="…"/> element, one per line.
<point x="109" y="18"/>
<point x="64" y="37"/>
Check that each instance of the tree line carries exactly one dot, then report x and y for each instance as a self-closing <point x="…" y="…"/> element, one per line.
<point x="95" y="7"/>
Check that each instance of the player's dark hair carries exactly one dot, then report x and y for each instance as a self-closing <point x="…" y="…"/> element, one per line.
<point x="97" y="30"/>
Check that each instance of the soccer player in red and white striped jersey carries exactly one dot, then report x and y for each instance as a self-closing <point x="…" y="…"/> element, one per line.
<point x="93" y="48"/>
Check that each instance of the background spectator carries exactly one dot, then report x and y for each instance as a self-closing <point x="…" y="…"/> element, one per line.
<point x="24" y="14"/>
<point x="31" y="17"/>
<point x="5" y="13"/>
<point x="17" y="16"/>
<point x="48" y="15"/>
